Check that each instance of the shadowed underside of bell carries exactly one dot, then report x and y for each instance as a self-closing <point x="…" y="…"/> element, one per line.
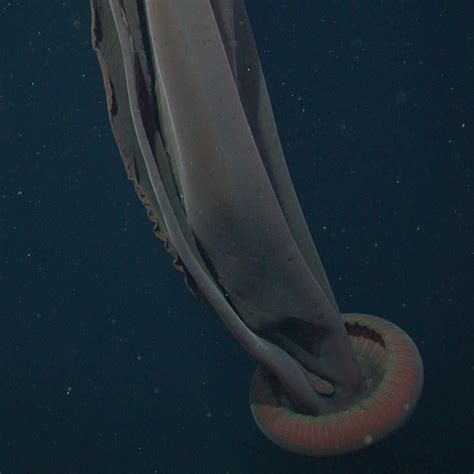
<point x="394" y="372"/>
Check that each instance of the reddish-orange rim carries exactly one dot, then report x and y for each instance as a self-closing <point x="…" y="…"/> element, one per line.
<point x="395" y="360"/>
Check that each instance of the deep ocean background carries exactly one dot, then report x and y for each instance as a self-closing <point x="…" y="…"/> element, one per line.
<point x="109" y="365"/>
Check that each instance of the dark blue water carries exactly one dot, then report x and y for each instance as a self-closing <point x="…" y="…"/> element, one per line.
<point x="107" y="362"/>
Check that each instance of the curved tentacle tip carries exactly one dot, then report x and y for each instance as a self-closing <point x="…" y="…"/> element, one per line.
<point x="394" y="382"/>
